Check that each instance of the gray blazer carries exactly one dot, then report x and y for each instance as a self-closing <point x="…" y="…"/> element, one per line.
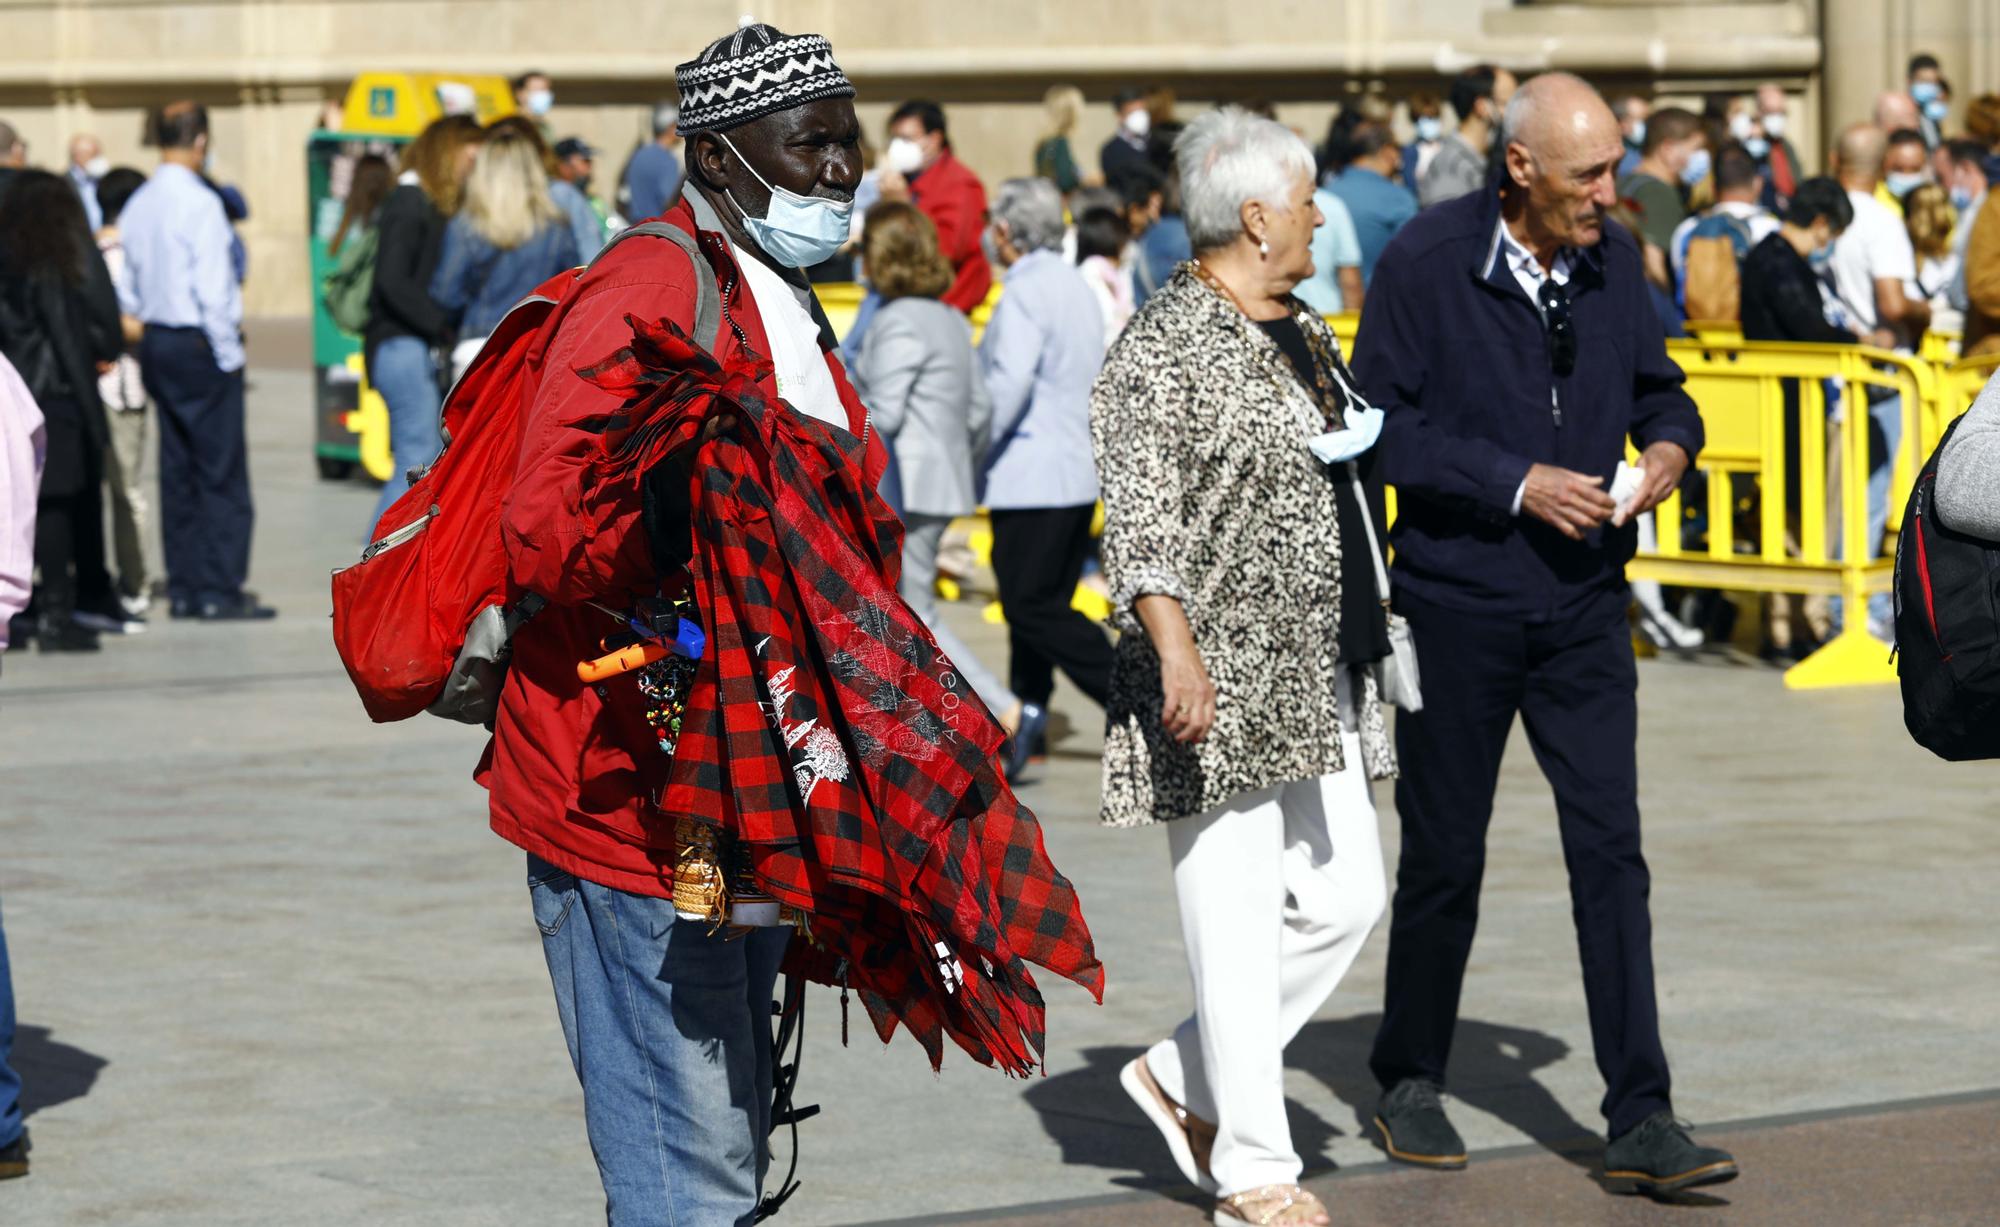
<point x="919" y="377"/>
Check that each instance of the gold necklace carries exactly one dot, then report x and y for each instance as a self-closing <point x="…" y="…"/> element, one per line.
<point x="1331" y="401"/>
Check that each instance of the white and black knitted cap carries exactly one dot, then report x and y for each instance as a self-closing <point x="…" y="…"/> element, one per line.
<point x="757" y="71"/>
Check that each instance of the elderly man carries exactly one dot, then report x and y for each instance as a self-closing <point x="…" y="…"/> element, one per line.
<point x="1510" y="339"/>
<point x="667" y="1021"/>
<point x="87" y="165"/>
<point x="1040" y="354"/>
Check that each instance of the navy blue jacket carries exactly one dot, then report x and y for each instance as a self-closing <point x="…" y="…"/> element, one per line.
<point x="1454" y="350"/>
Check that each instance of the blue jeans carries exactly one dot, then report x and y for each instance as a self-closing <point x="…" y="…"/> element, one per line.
<point x="1885" y="440"/>
<point x="10" y="1082"/>
<point x="406" y="375"/>
<point x="669" y="1028"/>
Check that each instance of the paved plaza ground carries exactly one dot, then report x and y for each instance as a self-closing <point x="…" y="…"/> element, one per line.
<point x="272" y="968"/>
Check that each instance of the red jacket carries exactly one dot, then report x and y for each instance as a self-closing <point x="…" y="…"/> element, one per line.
<point x="573" y="771"/>
<point x="953" y="198"/>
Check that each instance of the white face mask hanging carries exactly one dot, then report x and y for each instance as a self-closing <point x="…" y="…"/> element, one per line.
<point x="796" y="231"/>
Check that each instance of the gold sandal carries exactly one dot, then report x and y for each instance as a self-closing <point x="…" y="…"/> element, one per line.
<point x="1274" y="1205"/>
<point x="1189" y="1138"/>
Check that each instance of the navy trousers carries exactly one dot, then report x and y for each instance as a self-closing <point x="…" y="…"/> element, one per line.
<point x="205" y="510"/>
<point x="1574" y="684"/>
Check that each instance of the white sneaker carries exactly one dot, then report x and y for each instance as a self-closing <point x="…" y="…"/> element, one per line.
<point x="135" y="606"/>
<point x="1663" y="630"/>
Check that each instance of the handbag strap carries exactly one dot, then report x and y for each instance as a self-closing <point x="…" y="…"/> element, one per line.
<point x="1374" y="546"/>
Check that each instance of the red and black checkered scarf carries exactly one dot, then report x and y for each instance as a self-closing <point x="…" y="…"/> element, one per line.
<point x="828" y="734"/>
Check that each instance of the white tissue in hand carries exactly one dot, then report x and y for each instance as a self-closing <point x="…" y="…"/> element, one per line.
<point x="1625" y="488"/>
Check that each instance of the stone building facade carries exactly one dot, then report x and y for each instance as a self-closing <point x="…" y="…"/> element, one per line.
<point x="267" y="67"/>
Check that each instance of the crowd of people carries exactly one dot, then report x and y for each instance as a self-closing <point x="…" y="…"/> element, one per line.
<point x="1160" y="349"/>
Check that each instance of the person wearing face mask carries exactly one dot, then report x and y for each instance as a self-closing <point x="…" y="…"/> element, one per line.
<point x="1478" y="96"/>
<point x="87" y="165"/>
<point x="1427" y="119"/>
<point x="676" y="1107"/>
<point x="1780" y="162"/>
<point x="919" y="167"/>
<point x="1783" y="300"/>
<point x="534" y="96"/>
<point x="1931" y="95"/>
<point x="1905" y="167"/>
<point x="1673" y="158"/>
<point x="1965" y="178"/>
<point x="1127" y="146"/>
<point x="1632" y="111"/>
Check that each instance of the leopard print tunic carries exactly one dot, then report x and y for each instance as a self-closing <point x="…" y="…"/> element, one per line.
<point x="1211" y="497"/>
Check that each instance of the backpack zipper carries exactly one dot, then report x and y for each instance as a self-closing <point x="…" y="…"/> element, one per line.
<point x="401" y="535"/>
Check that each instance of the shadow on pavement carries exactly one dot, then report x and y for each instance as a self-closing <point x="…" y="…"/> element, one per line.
<point x="51" y="1073"/>
<point x="1493" y="1069"/>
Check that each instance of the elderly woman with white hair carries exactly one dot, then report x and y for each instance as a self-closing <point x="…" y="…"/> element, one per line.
<point x="1244" y="713"/>
<point x="1042" y="348"/>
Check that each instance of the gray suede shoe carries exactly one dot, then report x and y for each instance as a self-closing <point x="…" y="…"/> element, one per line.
<point x="1415" y="1128"/>
<point x="1658" y="1156"/>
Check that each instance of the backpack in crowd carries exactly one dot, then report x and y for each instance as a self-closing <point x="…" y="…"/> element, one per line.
<point x="1947" y="628"/>
<point x="424" y="621"/>
<point x="1712" y="280"/>
<point x="346" y="290"/>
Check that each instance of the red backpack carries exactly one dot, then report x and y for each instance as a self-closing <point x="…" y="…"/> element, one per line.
<point x="424" y="621"/>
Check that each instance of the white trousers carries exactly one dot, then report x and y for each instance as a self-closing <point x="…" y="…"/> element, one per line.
<point x="1278" y="890"/>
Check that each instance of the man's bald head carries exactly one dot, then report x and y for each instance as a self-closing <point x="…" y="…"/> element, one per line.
<point x="1860" y="153"/>
<point x="1563" y="149"/>
<point x="1554" y="113"/>
<point x="1893" y="110"/>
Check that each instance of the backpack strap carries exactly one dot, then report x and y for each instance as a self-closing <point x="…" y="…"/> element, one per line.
<point x="707" y="302"/>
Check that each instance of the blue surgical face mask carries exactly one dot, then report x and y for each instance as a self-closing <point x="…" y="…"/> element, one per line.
<point x="1961" y="198"/>
<point x="539" y="101"/>
<point x="1430" y="128"/>
<point x="1757" y="147"/>
<point x="796" y="231"/>
<point x="1902" y="182"/>
<point x="1821" y="259"/>
<point x="1696" y="169"/>
<point x="1938" y="109"/>
<point x="1364" y="427"/>
<point x="1924" y="91"/>
<point x="1638" y="137"/>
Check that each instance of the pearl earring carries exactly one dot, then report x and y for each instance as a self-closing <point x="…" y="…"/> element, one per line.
<point x="1263" y="248"/>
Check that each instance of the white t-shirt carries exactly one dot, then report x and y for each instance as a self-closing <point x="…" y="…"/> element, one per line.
<point x="1875" y="246"/>
<point x="803" y="379"/>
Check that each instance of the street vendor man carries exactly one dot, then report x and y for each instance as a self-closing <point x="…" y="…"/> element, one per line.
<point x="761" y="532"/>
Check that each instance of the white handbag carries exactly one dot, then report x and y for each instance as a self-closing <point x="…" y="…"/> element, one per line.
<point x="1396" y="674"/>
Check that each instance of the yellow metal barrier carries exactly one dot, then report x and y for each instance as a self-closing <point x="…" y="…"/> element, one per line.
<point x="841" y="300"/>
<point x="1739" y="388"/>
